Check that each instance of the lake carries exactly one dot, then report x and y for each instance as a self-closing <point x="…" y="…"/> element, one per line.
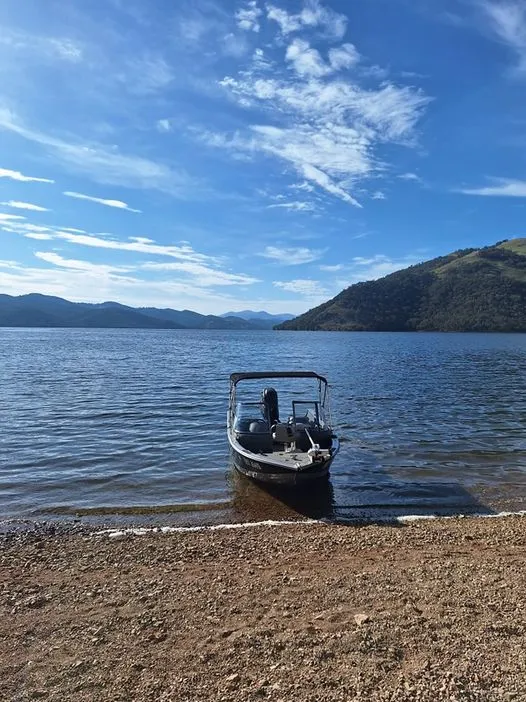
<point x="131" y="423"/>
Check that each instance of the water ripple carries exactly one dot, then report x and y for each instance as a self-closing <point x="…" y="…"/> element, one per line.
<point x="98" y="418"/>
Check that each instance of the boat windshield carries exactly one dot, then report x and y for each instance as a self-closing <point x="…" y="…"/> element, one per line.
<point x="308" y="412"/>
<point x="246" y="413"/>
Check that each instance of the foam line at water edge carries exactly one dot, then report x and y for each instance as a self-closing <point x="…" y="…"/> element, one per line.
<point x="407" y="518"/>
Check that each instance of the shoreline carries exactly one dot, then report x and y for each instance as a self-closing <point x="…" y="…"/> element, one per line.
<point x="430" y="610"/>
<point x="134" y="522"/>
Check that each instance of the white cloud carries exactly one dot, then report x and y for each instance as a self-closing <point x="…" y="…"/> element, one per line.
<point x="303" y="286"/>
<point x="326" y="130"/>
<point x="205" y="270"/>
<point x="164" y="125"/>
<point x="4" y="217"/>
<point x="184" y="252"/>
<point x="313" y="15"/>
<point x="204" y="275"/>
<point x="345" y="56"/>
<point x="378" y="195"/>
<point x="98" y="285"/>
<point x="362" y="268"/>
<point x="138" y="245"/>
<point x="23" y="227"/>
<point x="101" y="201"/>
<point x="16" y="175"/>
<point x="292" y="256"/>
<point x="507" y="21"/>
<point x="66" y="49"/>
<point x="38" y="236"/>
<point x="248" y="16"/>
<point x="304" y="186"/>
<point x="287" y="23"/>
<point x="234" y="45"/>
<point x="142" y="239"/>
<point x="17" y="205"/>
<point x="322" y="179"/>
<point x="104" y="164"/>
<point x="332" y="269"/>
<point x="44" y="47"/>
<point x="306" y="61"/>
<point x="296" y="206"/>
<point x="410" y="176"/>
<point x="260" y="62"/>
<point x="147" y="74"/>
<point x="504" y="187"/>
<point x="76" y="265"/>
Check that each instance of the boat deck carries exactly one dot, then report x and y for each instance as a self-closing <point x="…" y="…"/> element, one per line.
<point x="294" y="459"/>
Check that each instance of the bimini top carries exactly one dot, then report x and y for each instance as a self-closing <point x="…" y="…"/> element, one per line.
<point x="236" y="377"/>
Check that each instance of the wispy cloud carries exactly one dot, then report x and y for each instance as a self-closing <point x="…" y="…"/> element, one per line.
<point x="9" y="217"/>
<point x="102" y="163"/>
<point x="324" y="125"/>
<point x="16" y="175"/>
<point x="363" y="268"/>
<point x="207" y="277"/>
<point x="39" y="236"/>
<point x="17" y="205"/>
<point x="101" y="201"/>
<point x="292" y="256"/>
<point x="295" y="206"/>
<point x="503" y="187"/>
<point x="205" y="271"/>
<point x="147" y="74"/>
<point x="507" y="22"/>
<point x="303" y="286"/>
<point x="84" y="281"/>
<point x="333" y="268"/>
<point x="49" y="47"/>
<point x="77" y="265"/>
<point x="344" y="56"/>
<point x="24" y="227"/>
<point x="164" y="126"/>
<point x="410" y="176"/>
<point x="313" y="15"/>
<point x="135" y="244"/>
<point x="308" y="62"/>
<point x="247" y="17"/>
<point x="378" y="195"/>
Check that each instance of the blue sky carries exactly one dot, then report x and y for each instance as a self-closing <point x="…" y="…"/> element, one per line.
<point x="222" y="156"/>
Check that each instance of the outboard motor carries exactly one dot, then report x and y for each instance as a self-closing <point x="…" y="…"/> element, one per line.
<point x="269" y="398"/>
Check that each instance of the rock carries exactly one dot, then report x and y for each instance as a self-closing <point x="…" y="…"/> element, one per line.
<point x="361" y="619"/>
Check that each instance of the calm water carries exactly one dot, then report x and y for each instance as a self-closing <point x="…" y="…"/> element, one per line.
<point x="126" y="419"/>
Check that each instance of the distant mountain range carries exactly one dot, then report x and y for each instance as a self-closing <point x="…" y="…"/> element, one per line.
<point x="468" y="290"/>
<point x="252" y="316"/>
<point x="36" y="310"/>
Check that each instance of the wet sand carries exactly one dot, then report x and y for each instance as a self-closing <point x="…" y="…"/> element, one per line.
<point x="429" y="610"/>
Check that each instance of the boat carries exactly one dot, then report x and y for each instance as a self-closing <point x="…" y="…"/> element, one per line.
<point x="267" y="445"/>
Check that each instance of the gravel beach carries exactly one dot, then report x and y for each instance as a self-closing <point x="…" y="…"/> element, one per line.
<point x="429" y="610"/>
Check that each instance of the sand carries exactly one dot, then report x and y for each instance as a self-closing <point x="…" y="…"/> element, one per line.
<point x="430" y="610"/>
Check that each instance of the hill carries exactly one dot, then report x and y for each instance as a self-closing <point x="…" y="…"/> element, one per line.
<point x="36" y="310"/>
<point x="468" y="290"/>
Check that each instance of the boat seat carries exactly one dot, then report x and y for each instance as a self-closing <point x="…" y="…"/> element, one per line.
<point x="283" y="433"/>
<point x="258" y="426"/>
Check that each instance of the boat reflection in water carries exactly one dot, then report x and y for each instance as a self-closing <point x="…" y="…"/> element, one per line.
<point x="252" y="501"/>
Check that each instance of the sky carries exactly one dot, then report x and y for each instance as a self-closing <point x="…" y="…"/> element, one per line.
<point x="221" y="156"/>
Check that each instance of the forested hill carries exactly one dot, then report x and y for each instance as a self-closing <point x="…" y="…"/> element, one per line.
<point x="468" y="290"/>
